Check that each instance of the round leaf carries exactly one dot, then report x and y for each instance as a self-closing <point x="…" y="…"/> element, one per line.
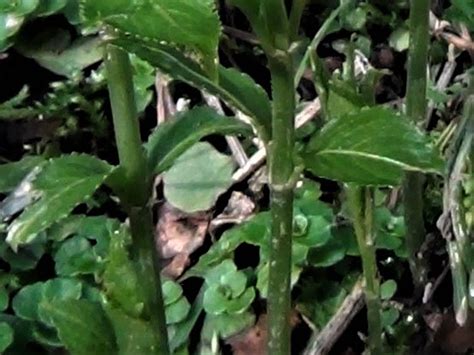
<point x="240" y="304"/>
<point x="235" y="281"/>
<point x="197" y="178"/>
<point x="388" y="289"/>
<point x="177" y="311"/>
<point x="215" y="302"/>
<point x="172" y="291"/>
<point x="25" y="303"/>
<point x="6" y="336"/>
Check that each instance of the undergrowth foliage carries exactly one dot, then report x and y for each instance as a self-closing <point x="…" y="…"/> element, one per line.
<point x="104" y="293"/>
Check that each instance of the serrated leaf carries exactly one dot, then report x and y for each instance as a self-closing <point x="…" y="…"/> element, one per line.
<point x="12" y="173"/>
<point x="192" y="24"/>
<point x="235" y="88"/>
<point x="82" y="326"/>
<point x="371" y="147"/>
<point x="173" y="138"/>
<point x="6" y="336"/>
<point x="134" y="336"/>
<point x="63" y="183"/>
<point x="197" y="178"/>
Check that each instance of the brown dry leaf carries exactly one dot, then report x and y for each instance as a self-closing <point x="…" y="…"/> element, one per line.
<point x="178" y="235"/>
<point x="238" y="209"/>
<point x="450" y="338"/>
<point x="253" y="341"/>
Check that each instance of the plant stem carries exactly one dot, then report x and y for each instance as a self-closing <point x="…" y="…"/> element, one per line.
<point x="137" y="188"/>
<point x="281" y="170"/>
<point x="361" y="204"/>
<point x="295" y="17"/>
<point x="416" y="107"/>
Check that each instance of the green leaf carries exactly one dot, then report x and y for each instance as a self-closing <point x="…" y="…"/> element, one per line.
<point x="75" y="257"/>
<point x="197" y="178"/>
<point x="134" y="336"/>
<point x="371" y="147"/>
<point x="26" y="301"/>
<point x="63" y="183"/>
<point x="120" y="280"/>
<point x="3" y="299"/>
<point x="172" y="291"/>
<point x="400" y="39"/>
<point x="388" y="289"/>
<point x="11" y="174"/>
<point x="235" y="88"/>
<point x="242" y="303"/>
<point x="6" y="336"/>
<point x="173" y="138"/>
<point x="226" y="325"/>
<point x="49" y="7"/>
<point x="215" y="302"/>
<point x="79" y="55"/>
<point x="177" y="311"/>
<point x="389" y="316"/>
<point x="193" y="24"/>
<point x="82" y="326"/>
<point x="25" y="258"/>
<point x="329" y="254"/>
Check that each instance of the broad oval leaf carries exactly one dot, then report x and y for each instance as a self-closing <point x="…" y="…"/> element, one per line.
<point x="235" y="88"/>
<point x="197" y="178"/>
<point x="82" y="326"/>
<point x="173" y="138"/>
<point x="63" y="183"/>
<point x="371" y="147"/>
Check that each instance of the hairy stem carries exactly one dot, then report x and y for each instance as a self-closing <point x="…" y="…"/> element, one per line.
<point x="361" y="204"/>
<point x="281" y="184"/>
<point x="416" y="107"/>
<point x="136" y="188"/>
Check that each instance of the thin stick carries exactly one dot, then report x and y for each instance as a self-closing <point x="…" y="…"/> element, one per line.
<point x="321" y="343"/>
<point x="238" y="152"/>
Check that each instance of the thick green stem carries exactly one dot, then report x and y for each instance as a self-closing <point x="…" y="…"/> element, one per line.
<point x="281" y="171"/>
<point x="136" y="186"/>
<point x="361" y="204"/>
<point x="416" y="106"/>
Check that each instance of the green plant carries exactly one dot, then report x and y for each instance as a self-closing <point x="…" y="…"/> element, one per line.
<point x="358" y="146"/>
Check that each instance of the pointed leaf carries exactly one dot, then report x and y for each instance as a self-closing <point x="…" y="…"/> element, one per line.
<point x="173" y="138"/>
<point x="82" y="326"/>
<point x="235" y="88"/>
<point x="63" y="183"/>
<point x="197" y="178"/>
<point x="371" y="147"/>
